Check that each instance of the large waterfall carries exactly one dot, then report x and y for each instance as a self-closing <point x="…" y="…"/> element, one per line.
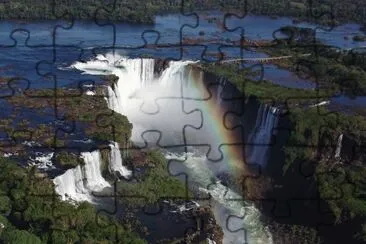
<point x="115" y="162"/>
<point x="155" y="103"/>
<point x="78" y="183"/>
<point x="259" y="140"/>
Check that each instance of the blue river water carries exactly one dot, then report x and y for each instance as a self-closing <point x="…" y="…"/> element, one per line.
<point x="38" y="52"/>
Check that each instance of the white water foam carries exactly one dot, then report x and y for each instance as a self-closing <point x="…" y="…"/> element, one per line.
<point x="323" y="103"/>
<point x="115" y="162"/>
<point x="136" y="87"/>
<point x="42" y="161"/>
<point x="78" y="183"/>
<point x="260" y="138"/>
<point x="90" y="93"/>
<point x="93" y="174"/>
<point x="210" y="241"/>
<point x="226" y="202"/>
<point x="339" y="147"/>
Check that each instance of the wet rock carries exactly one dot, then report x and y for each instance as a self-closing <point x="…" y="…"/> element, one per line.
<point x="206" y="227"/>
<point x="160" y="66"/>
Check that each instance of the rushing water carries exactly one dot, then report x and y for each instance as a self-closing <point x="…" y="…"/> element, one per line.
<point x="78" y="183"/>
<point x="32" y="58"/>
<point x="339" y="146"/>
<point x="155" y="102"/>
<point x="115" y="162"/>
<point x="164" y="92"/>
<point x="261" y="136"/>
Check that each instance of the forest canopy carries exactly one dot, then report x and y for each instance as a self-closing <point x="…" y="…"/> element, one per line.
<point x="322" y="11"/>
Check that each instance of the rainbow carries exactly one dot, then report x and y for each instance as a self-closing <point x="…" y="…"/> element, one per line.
<point x="232" y="147"/>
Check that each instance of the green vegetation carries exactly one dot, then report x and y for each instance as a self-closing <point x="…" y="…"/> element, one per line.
<point x="314" y="134"/>
<point x="320" y="11"/>
<point x="359" y="38"/>
<point x="69" y="224"/>
<point x="157" y="184"/>
<point x="317" y="126"/>
<point x="90" y="112"/>
<point x="131" y="11"/>
<point x="340" y="184"/>
<point x="21" y="132"/>
<point x="263" y="89"/>
<point x="332" y="68"/>
<point x="134" y="11"/>
<point x="20" y="236"/>
<point x="31" y="213"/>
<point x="298" y="34"/>
<point x="284" y="233"/>
<point x="68" y="160"/>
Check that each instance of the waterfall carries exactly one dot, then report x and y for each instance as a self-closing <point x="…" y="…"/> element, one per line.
<point x="77" y="184"/>
<point x="93" y="174"/>
<point x="155" y="103"/>
<point x="70" y="185"/>
<point x="220" y="89"/>
<point x="339" y="147"/>
<point x="113" y="100"/>
<point x="136" y="80"/>
<point x="138" y="73"/>
<point x="115" y="162"/>
<point x="226" y="202"/>
<point x="260" y="138"/>
<point x="139" y="95"/>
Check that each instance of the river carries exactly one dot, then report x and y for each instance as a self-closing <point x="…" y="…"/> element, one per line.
<point x="83" y="51"/>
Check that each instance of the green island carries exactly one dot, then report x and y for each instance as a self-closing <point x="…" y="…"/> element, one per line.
<point x="331" y="68"/>
<point x="33" y="214"/>
<point x="308" y="151"/>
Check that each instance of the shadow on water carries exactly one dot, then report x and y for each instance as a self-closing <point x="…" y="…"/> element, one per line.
<point x="162" y="222"/>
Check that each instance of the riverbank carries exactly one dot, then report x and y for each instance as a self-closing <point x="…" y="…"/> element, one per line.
<point x="316" y="153"/>
<point x="88" y="128"/>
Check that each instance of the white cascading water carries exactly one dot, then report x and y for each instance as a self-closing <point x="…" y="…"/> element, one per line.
<point x="70" y="185"/>
<point x="42" y="161"/>
<point x="115" y="162"/>
<point x="93" y="173"/>
<point x="78" y="183"/>
<point x="226" y="202"/>
<point x="220" y="88"/>
<point x="147" y="103"/>
<point x="339" y="147"/>
<point x="154" y="104"/>
<point x="260" y="138"/>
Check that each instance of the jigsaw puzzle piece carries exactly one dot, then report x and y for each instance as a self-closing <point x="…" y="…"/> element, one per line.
<point x="245" y="227"/>
<point x="21" y="59"/>
<point x="152" y="46"/>
<point x="203" y="135"/>
<point x="208" y="183"/>
<point x="13" y="86"/>
<point x="93" y="35"/>
<point x="233" y="114"/>
<point x="158" y="104"/>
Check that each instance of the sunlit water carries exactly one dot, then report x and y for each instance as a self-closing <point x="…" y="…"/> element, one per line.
<point x="159" y="116"/>
<point x="33" y="58"/>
